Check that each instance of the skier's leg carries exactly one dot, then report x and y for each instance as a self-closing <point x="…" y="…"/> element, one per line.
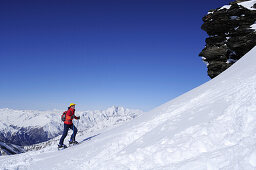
<point x="65" y="133"/>
<point x="73" y="136"/>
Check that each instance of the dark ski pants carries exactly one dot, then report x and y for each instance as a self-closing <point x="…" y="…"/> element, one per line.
<point x="65" y="133"/>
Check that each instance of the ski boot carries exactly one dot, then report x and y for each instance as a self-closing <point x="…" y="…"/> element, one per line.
<point x="62" y="146"/>
<point x="73" y="142"/>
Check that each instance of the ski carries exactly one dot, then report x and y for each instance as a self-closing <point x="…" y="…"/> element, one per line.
<point x="65" y="147"/>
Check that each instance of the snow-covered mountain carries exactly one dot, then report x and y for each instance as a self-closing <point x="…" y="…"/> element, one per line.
<point x="26" y="127"/>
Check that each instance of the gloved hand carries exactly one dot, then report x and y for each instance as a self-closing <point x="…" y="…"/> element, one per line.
<point x="78" y="117"/>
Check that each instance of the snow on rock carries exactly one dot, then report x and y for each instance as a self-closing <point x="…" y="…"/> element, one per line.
<point x="253" y="26"/>
<point x="225" y="7"/>
<point x="248" y="4"/>
<point x="211" y="127"/>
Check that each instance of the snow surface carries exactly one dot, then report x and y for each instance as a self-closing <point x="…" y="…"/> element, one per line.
<point x="211" y="127"/>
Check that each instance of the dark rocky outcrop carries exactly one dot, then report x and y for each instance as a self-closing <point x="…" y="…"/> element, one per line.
<point x="10" y="149"/>
<point x="230" y="36"/>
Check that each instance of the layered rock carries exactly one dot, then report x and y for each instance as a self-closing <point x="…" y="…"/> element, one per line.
<point x="230" y="36"/>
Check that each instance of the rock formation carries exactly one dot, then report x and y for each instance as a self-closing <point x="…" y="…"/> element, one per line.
<point x="230" y="36"/>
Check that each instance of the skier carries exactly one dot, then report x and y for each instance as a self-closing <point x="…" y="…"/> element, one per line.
<point x="68" y="124"/>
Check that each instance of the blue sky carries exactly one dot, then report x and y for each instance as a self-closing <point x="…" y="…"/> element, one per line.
<point x="131" y="53"/>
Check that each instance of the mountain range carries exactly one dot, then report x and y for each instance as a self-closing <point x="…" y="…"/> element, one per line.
<point x="28" y="127"/>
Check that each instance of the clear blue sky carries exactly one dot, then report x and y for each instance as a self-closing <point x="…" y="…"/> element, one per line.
<point x="99" y="53"/>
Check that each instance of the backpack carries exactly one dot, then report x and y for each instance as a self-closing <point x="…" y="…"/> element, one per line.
<point x="63" y="116"/>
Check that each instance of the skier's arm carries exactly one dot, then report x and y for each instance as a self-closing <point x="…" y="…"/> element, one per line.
<point x="77" y="117"/>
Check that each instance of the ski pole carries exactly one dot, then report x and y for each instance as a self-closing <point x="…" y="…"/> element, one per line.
<point x="77" y="124"/>
<point x="73" y="132"/>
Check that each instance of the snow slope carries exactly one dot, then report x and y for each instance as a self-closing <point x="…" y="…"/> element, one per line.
<point x="211" y="127"/>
